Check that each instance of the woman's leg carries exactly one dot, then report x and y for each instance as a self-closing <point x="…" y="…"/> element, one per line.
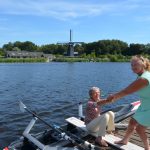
<point x="141" y="130"/>
<point x="131" y="127"/>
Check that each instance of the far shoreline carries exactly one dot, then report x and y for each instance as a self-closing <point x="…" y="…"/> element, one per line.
<point x="110" y="58"/>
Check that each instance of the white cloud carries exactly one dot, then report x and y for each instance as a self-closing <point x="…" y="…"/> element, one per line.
<point x="62" y="9"/>
<point x="49" y="8"/>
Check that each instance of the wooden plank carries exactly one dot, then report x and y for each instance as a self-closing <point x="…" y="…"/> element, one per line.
<point x="133" y="139"/>
<point x="77" y="122"/>
<point x="130" y="146"/>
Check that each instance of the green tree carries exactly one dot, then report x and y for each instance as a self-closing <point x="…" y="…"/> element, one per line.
<point x="136" y="49"/>
<point x="16" y="49"/>
<point x="79" y="48"/>
<point x="147" y="48"/>
<point x="8" y="47"/>
<point x="2" y="53"/>
<point x="28" y="46"/>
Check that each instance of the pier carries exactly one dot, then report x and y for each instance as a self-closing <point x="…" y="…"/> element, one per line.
<point x="135" y="142"/>
<point x="135" y="137"/>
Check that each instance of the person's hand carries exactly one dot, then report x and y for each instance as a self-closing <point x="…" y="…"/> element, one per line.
<point x="110" y="98"/>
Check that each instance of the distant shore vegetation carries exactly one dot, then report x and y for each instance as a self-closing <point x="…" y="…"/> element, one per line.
<point x="99" y="51"/>
<point x="21" y="60"/>
<point x="103" y="58"/>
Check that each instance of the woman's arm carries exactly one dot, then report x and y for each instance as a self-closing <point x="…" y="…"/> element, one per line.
<point x="103" y="102"/>
<point x="133" y="87"/>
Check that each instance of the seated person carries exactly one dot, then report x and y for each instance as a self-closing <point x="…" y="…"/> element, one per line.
<point x="95" y="122"/>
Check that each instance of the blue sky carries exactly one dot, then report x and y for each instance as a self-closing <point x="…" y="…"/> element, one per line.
<point x="49" y="21"/>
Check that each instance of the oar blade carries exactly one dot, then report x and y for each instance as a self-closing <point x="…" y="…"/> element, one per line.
<point x="22" y="106"/>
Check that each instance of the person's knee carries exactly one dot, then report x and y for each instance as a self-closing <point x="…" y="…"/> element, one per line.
<point x="132" y="124"/>
<point x="111" y="114"/>
<point x="106" y="117"/>
<point x="140" y="129"/>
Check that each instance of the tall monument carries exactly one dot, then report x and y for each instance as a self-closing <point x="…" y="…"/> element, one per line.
<point x="70" y="51"/>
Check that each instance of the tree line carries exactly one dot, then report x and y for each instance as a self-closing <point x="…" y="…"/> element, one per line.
<point x="97" y="49"/>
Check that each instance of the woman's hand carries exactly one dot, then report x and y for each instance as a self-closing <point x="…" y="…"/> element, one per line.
<point x="110" y="98"/>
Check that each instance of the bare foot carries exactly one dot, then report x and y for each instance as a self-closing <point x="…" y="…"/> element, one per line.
<point x="123" y="142"/>
<point x="111" y="132"/>
<point x="101" y="142"/>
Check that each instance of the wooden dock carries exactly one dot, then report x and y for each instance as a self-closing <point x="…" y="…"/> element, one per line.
<point x="135" y="142"/>
<point x="135" y="139"/>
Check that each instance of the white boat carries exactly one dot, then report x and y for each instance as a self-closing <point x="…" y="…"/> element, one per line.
<point x="70" y="136"/>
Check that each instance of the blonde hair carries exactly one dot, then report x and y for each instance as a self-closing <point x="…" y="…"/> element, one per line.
<point x="92" y="90"/>
<point x="144" y="61"/>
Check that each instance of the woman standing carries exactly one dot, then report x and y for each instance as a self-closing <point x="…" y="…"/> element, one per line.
<point x="141" y="119"/>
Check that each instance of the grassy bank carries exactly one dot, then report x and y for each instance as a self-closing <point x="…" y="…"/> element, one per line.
<point x="108" y="58"/>
<point x="22" y="60"/>
<point x="102" y="58"/>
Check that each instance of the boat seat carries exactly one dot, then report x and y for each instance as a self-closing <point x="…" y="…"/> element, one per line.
<point x="108" y="137"/>
<point x="79" y="124"/>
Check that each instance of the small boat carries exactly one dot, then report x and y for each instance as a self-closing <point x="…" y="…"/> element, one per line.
<point x="70" y="136"/>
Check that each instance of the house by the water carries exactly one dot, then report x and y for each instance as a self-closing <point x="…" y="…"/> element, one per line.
<point x="27" y="54"/>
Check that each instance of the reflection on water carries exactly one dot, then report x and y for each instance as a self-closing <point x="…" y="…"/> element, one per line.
<point x="53" y="90"/>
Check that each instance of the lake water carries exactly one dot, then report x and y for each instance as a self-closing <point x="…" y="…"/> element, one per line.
<point x="53" y="90"/>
